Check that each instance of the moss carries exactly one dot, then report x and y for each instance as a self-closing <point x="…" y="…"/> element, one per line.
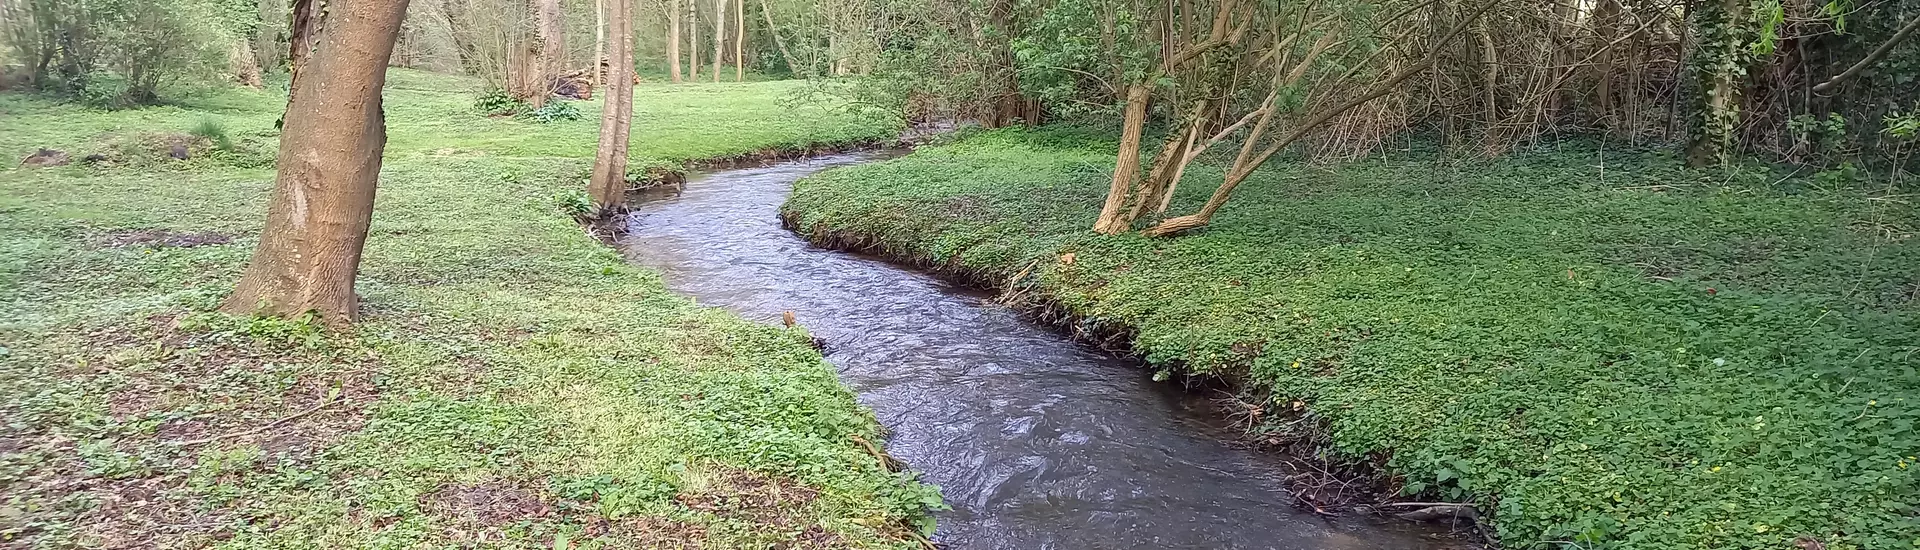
<point x="515" y="383"/>
<point x="1597" y="346"/>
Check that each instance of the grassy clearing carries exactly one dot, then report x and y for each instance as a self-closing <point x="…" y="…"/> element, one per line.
<point x="1608" y="351"/>
<point x="516" y="384"/>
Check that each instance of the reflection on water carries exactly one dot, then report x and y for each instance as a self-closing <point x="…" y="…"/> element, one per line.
<point x="1035" y="441"/>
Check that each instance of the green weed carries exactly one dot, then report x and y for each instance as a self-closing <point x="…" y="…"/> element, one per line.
<point x="1601" y="348"/>
<point x="214" y="132"/>
<point x="513" y="380"/>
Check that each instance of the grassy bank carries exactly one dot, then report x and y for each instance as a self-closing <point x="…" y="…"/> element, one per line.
<point x="515" y="384"/>
<point x="1601" y="350"/>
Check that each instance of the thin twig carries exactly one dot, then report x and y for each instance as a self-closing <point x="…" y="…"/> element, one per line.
<point x="255" y="431"/>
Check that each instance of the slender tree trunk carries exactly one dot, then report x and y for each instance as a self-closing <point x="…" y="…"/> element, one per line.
<point x="1490" y="82"/>
<point x="1113" y="213"/>
<point x="1607" y="19"/>
<point x="719" y="36"/>
<point x="328" y="167"/>
<point x="523" y="56"/>
<point x="609" y="184"/>
<point x="739" y="40"/>
<point x="793" y="66"/>
<point x="1723" y="54"/>
<point x="246" y="66"/>
<point x="693" y="39"/>
<point x="551" y="62"/>
<point x="266" y="41"/>
<point x="599" y="43"/>
<point x="673" y="39"/>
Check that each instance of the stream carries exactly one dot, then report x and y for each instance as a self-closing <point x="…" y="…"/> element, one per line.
<point x="1035" y="441"/>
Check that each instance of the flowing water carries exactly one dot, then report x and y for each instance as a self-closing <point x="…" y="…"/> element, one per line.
<point x="1035" y="441"/>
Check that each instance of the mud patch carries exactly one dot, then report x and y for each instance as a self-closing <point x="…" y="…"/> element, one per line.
<point x="46" y="157"/>
<point x="750" y="496"/>
<point x="161" y="238"/>
<point x="653" y="533"/>
<point x="487" y="505"/>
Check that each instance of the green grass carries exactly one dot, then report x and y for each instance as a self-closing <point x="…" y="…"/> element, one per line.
<point x="1602" y="350"/>
<point x="515" y="383"/>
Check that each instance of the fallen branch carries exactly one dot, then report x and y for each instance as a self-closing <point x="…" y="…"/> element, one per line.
<point x="331" y="399"/>
<point x="1430" y="511"/>
<point x="886" y="461"/>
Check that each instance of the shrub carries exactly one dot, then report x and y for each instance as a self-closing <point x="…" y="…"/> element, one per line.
<point x="211" y="129"/>
<point x="115" y="53"/>
<point x="497" y="102"/>
<point x="555" y="110"/>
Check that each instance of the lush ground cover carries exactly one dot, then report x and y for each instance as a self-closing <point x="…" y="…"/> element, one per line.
<point x="1600" y="348"/>
<point x="515" y="384"/>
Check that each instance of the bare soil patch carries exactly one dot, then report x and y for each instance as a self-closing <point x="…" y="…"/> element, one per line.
<point x="161" y="238"/>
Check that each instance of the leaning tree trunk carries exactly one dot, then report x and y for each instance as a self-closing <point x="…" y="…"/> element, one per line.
<point x="673" y="40"/>
<point x="609" y="184"/>
<point x="328" y="166"/>
<point x="793" y="66"/>
<point x="1113" y="220"/>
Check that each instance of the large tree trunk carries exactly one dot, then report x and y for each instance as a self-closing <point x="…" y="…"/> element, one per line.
<point x="609" y="184"/>
<point x="719" y="36"/>
<point x="328" y="166"/>
<point x="1113" y="213"/>
<point x="673" y="39"/>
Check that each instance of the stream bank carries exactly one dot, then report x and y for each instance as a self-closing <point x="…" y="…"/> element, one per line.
<point x="1035" y="441"/>
<point x="1486" y="332"/>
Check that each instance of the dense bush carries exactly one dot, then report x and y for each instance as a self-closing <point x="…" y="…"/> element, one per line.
<point x="115" y="53"/>
<point x="555" y="110"/>
<point x="497" y="102"/>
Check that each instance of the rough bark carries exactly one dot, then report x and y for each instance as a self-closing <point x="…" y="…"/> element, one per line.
<point x="1113" y="213"/>
<point x="300" y="35"/>
<point x="608" y="186"/>
<point x="328" y="167"/>
<point x="1155" y="186"/>
<point x="673" y="40"/>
